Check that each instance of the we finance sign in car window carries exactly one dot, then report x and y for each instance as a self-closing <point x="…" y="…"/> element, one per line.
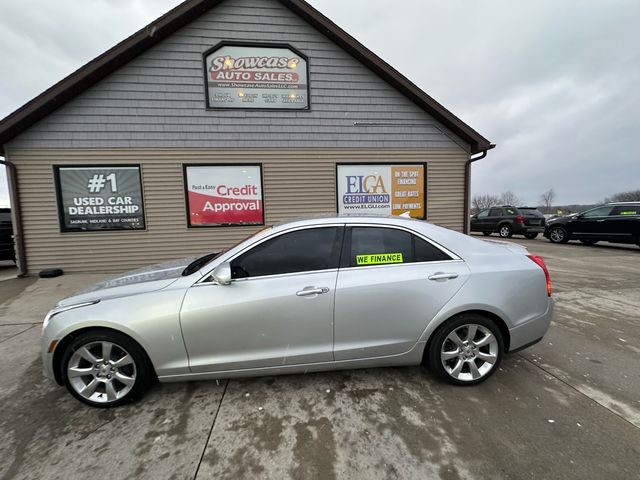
<point x="224" y="195"/>
<point x="390" y="189"/>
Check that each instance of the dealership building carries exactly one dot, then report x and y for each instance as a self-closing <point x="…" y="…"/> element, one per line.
<point x="218" y="118"/>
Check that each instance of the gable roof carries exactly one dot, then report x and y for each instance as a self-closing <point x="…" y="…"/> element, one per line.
<point x="114" y="58"/>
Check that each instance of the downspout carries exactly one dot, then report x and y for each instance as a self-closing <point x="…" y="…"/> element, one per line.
<point x="18" y="235"/>
<point x="467" y="185"/>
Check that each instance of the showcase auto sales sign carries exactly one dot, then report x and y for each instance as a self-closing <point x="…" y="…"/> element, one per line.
<point x="242" y="76"/>
<point x="224" y="195"/>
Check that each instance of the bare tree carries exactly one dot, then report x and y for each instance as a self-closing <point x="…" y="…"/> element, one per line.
<point x="509" y="198"/>
<point x="633" y="196"/>
<point x="547" y="199"/>
<point x="480" y="202"/>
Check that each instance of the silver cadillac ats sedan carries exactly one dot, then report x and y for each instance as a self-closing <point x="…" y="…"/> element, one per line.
<point x="312" y="295"/>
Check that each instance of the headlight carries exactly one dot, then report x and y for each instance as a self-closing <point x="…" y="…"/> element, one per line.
<point x="58" y="310"/>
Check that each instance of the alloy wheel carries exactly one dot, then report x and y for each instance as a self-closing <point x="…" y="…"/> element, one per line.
<point x="101" y="372"/>
<point x="469" y="352"/>
<point x="505" y="231"/>
<point x="557" y="235"/>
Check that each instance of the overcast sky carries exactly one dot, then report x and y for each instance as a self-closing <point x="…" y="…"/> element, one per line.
<point x="555" y="84"/>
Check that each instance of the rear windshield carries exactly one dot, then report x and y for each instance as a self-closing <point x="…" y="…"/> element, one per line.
<point x="530" y="212"/>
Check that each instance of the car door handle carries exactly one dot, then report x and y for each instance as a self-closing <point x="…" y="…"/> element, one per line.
<point x="309" y="291"/>
<point x="443" y="276"/>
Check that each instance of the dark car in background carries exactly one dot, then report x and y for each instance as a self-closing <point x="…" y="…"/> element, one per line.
<point x="7" y="251"/>
<point x="614" y="222"/>
<point x="508" y="221"/>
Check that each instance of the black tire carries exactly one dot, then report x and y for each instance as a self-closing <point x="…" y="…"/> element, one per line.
<point x="486" y="234"/>
<point x="530" y="236"/>
<point x="505" y="230"/>
<point x="144" y="374"/>
<point x="589" y="242"/>
<point x="434" y="362"/>
<point x="558" y="235"/>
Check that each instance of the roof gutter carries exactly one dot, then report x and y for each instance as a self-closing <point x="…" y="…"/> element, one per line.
<point x="467" y="185"/>
<point x="18" y="232"/>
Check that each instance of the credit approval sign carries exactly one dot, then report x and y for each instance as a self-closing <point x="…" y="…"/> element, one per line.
<point x="256" y="76"/>
<point x="389" y="189"/>
<point x="224" y="195"/>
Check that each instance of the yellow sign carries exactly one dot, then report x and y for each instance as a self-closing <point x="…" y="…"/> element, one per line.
<point x="379" y="259"/>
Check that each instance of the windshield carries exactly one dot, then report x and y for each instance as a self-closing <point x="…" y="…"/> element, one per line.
<point x="198" y="263"/>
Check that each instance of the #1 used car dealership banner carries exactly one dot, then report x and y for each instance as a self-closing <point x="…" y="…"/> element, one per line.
<point x="382" y="189"/>
<point x="100" y="198"/>
<point x="224" y="195"/>
<point x="242" y="76"/>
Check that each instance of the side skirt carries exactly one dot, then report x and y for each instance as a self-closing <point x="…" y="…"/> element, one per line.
<point x="412" y="357"/>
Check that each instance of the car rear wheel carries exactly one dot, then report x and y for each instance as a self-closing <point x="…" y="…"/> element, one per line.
<point x="558" y="235"/>
<point x="530" y="236"/>
<point x="486" y="234"/>
<point x="589" y="242"/>
<point x="505" y="231"/>
<point x="105" y="369"/>
<point x="466" y="350"/>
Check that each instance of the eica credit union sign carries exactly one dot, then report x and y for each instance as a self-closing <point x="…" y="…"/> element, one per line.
<point x="382" y="189"/>
<point x="99" y="198"/>
<point x="250" y="77"/>
<point x="224" y="195"/>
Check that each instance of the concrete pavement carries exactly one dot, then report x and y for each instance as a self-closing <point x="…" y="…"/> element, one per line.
<point x="567" y="408"/>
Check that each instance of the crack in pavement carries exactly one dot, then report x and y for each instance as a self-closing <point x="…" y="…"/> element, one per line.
<point x="579" y="391"/>
<point x="19" y="333"/>
<point x="213" y="424"/>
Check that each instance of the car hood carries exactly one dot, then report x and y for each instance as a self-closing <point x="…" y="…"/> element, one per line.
<point x="142" y="280"/>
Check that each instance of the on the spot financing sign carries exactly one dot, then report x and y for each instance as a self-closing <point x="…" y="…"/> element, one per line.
<point x="382" y="190"/>
<point x="241" y="76"/>
<point x="224" y="195"/>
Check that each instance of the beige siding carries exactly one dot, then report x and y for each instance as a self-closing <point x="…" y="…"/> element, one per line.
<point x="296" y="183"/>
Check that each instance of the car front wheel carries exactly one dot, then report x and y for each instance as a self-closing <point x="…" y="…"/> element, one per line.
<point x="466" y="350"/>
<point x="105" y="369"/>
<point x="558" y="235"/>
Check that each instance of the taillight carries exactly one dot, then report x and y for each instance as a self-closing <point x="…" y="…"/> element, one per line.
<point x="541" y="264"/>
<point x="520" y="219"/>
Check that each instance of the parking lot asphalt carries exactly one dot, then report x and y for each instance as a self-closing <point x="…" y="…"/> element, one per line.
<point x="566" y="408"/>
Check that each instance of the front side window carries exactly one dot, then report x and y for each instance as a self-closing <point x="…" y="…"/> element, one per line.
<point x="483" y="214"/>
<point x="372" y="246"/>
<point x="598" y="212"/>
<point x="306" y="250"/>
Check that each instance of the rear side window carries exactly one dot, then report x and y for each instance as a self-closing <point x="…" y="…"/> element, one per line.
<point x="495" y="212"/>
<point x="300" y="251"/>
<point x="371" y="246"/>
<point x="511" y="211"/>
<point x="625" y="210"/>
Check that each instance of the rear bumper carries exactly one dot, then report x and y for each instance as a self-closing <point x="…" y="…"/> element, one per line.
<point x="532" y="331"/>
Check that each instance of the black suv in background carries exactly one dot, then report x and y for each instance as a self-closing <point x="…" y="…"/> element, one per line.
<point x="614" y="222"/>
<point x="508" y="221"/>
<point x="6" y="236"/>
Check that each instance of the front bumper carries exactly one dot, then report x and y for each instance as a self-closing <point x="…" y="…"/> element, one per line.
<point x="532" y="331"/>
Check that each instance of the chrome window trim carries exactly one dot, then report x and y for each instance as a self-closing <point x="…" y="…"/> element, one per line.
<point x="206" y="279"/>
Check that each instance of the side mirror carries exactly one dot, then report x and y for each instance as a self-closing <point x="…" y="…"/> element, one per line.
<point x="222" y="274"/>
